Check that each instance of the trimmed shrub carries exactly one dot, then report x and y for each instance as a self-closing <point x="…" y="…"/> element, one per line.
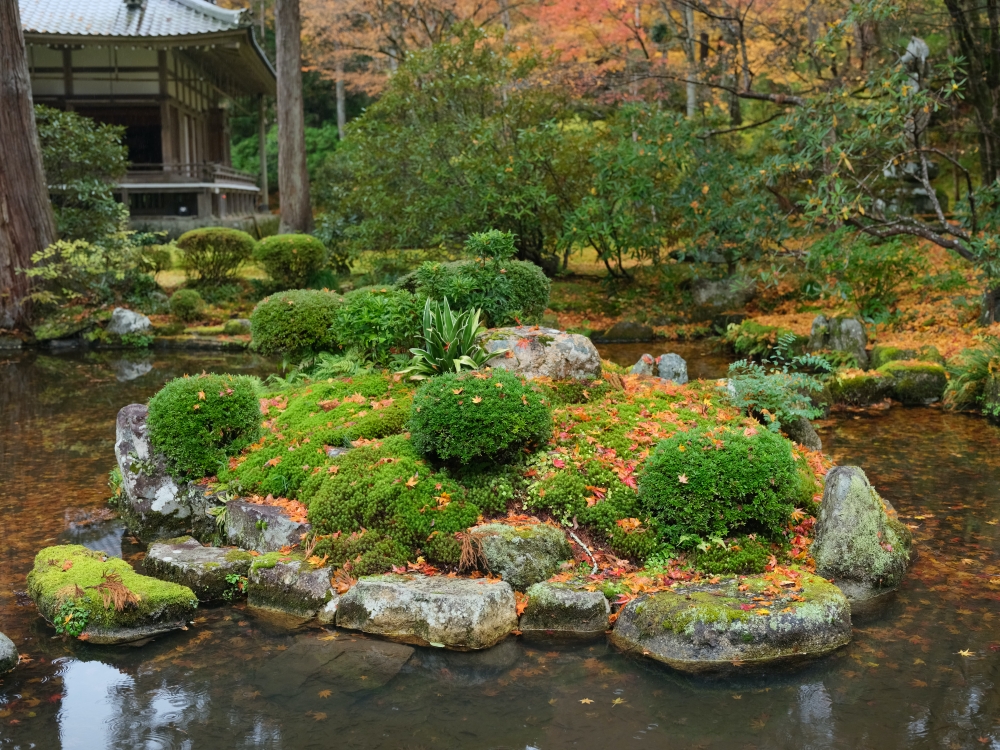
<point x="478" y="415"/>
<point x="296" y="322"/>
<point x="290" y="259"/>
<point x="713" y="482"/>
<point x="197" y="423"/>
<point x="214" y="254"/>
<point x="186" y="305"/>
<point x="378" y="322"/>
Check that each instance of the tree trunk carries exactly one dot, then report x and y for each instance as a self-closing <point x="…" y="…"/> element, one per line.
<point x="26" y="222"/>
<point x="293" y="179"/>
<point x="692" y="87"/>
<point x="341" y="98"/>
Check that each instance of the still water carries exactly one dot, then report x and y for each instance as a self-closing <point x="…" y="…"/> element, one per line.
<point x="235" y="680"/>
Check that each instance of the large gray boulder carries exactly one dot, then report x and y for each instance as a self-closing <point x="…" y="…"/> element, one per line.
<point x="560" y="609"/>
<point x="536" y="352"/>
<point x="458" y="613"/>
<point x="716" y="627"/>
<point x="291" y="587"/>
<point x="126" y="321"/>
<point x="625" y="331"/>
<point x="714" y="296"/>
<point x="523" y="555"/>
<point x="840" y="334"/>
<point x="8" y="654"/>
<point x="264" y="528"/>
<point x="860" y="543"/>
<point x="153" y="504"/>
<point x="204" y="570"/>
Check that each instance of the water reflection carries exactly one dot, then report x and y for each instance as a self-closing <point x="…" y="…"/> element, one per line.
<point x="91" y="703"/>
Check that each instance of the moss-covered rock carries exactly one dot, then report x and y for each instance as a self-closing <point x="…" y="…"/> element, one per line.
<point x="854" y="388"/>
<point x="213" y="573"/>
<point x="101" y="599"/>
<point x="523" y="555"/>
<point x="287" y="585"/>
<point x="882" y="355"/>
<point x="860" y="544"/>
<point x="840" y="334"/>
<point x="782" y="616"/>
<point x="916" y="383"/>
<point x="560" y="609"/>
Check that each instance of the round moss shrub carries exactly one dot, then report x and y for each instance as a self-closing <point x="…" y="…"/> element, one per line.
<point x="214" y="254"/>
<point x="489" y="414"/>
<point x="198" y="422"/>
<point x="296" y="322"/>
<point x="529" y="289"/>
<point x="186" y="305"/>
<point x="290" y="259"/>
<point x="714" y="482"/>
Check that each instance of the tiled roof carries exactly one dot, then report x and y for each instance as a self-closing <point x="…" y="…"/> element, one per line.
<point x="155" y="18"/>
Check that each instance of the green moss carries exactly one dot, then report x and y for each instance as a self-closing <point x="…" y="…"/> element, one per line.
<point x="238" y="555"/>
<point x="740" y="555"/>
<point x="265" y="561"/>
<point x="860" y="389"/>
<point x="573" y="391"/>
<point x="759" y="341"/>
<point x="290" y="259"/>
<point x="61" y="573"/>
<point x="296" y="322"/>
<point x="884" y="354"/>
<point x="915" y="382"/>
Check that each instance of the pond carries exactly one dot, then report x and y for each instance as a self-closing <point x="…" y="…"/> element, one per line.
<point x="236" y="680"/>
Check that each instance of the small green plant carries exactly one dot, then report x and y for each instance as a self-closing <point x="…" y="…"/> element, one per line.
<point x="757" y="341"/>
<point x="290" y="259"/>
<point x="744" y="555"/>
<point x="297" y="322"/>
<point x="186" y="305"/>
<point x="213" y="255"/>
<point x="237" y="586"/>
<point x="450" y="342"/>
<point x="71" y="619"/>
<point x="198" y="422"/>
<point x="970" y="373"/>
<point x="378" y="322"/>
<point x="489" y="414"/>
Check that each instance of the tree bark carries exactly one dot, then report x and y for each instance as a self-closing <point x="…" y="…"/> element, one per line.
<point x="265" y="201"/>
<point x="26" y="221"/>
<point x="293" y="178"/>
<point x="341" y="97"/>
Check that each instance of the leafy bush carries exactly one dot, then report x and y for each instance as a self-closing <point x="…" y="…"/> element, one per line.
<point x="186" y="305"/>
<point x="970" y="372"/>
<point x="296" y="322"/>
<point x="198" y="422"/>
<point x="743" y="555"/>
<point x="479" y="415"/>
<point x="290" y="259"/>
<point x="758" y="341"/>
<point x="450" y="342"/>
<point x="377" y="322"/>
<point x="712" y="482"/>
<point x="214" y="254"/>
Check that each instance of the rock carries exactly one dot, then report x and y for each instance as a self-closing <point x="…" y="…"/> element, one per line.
<point x="8" y="654"/>
<point x="672" y="367"/>
<point x="523" y="555"/>
<point x="66" y="580"/>
<point x="644" y="366"/>
<point x="264" y="528"/>
<point x="625" y="331"/>
<point x="201" y="569"/>
<point x="153" y="505"/>
<point x="328" y="615"/>
<point x="458" y="613"/>
<point x="10" y="342"/>
<point x="714" y="296"/>
<point x="559" y="609"/>
<point x="881" y="355"/>
<point x="915" y="383"/>
<point x="237" y="327"/>
<point x="840" y="335"/>
<point x="467" y="667"/>
<point x="293" y="587"/>
<point x="860" y="389"/>
<point x="127" y="369"/>
<point x="536" y="352"/>
<point x="859" y="542"/>
<point x="714" y="627"/>
<point x="126" y="321"/>
<point x="802" y="431"/>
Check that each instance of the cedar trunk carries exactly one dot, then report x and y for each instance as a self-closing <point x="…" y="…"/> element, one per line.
<point x="293" y="179"/>
<point x="26" y="222"/>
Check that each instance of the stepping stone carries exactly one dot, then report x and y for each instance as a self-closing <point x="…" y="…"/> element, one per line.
<point x="202" y="569"/>
<point x="8" y="654"/>
<point x="293" y="587"/>
<point x="264" y="528"/>
<point x="558" y="609"/>
<point x="716" y="627"/>
<point x="457" y="613"/>
<point x="523" y="555"/>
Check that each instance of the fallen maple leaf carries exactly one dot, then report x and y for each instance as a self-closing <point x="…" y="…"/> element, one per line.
<point x="201" y="395"/>
<point x="325" y="693"/>
<point x="477" y="399"/>
<point x="586" y="701"/>
<point x="682" y="478"/>
<point x="521" y="602"/>
<point x="965" y="652"/>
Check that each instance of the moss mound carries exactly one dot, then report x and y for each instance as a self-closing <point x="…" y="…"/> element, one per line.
<point x="186" y="305"/>
<point x="914" y="382"/>
<point x="297" y="322"/>
<point x="742" y="555"/>
<point x="856" y="388"/>
<point x="290" y="259"/>
<point x="214" y="254"/>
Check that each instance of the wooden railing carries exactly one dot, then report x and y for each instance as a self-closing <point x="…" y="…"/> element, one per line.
<point x="193" y="172"/>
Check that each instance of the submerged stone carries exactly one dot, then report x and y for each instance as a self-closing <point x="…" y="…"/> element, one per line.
<point x="204" y="570"/>
<point x="71" y="581"/>
<point x="8" y="654"/>
<point x="560" y="609"/>
<point x="716" y="627"/>
<point x="523" y="555"/>
<point x="263" y="528"/>
<point x="916" y="383"/>
<point x="457" y="613"/>
<point x="288" y="586"/>
<point x="859" y="542"/>
<point x="536" y="352"/>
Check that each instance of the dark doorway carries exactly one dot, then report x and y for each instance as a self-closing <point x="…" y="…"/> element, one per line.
<point x="142" y="130"/>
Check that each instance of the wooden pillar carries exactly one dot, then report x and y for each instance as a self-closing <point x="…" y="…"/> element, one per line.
<point x="262" y="146"/>
<point x="67" y="60"/>
<point x="166" y="121"/>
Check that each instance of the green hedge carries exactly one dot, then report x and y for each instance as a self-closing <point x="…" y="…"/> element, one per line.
<point x="297" y="322"/>
<point x="214" y="254"/>
<point x="290" y="259"/>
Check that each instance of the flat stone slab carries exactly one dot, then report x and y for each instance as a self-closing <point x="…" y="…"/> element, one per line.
<point x="559" y="609"/>
<point x="523" y="555"/>
<point x="201" y="569"/>
<point x="535" y="352"/>
<point x="291" y="587"/>
<point x="716" y="627"/>
<point x="458" y="613"/>
<point x="263" y="528"/>
<point x="8" y="654"/>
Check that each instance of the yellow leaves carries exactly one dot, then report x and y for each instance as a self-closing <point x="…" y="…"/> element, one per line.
<point x="316" y="561"/>
<point x="201" y="395"/>
<point x="797" y="515"/>
<point x="965" y="652"/>
<point x="586" y="701"/>
<point x="317" y="715"/>
<point x="682" y="478"/>
<point x="442" y="500"/>
<point x="918" y="683"/>
<point x="618" y="701"/>
<point x="477" y="399"/>
<point x="498" y="385"/>
<point x="412" y="481"/>
<point x="762" y="611"/>
<point x="681" y="448"/>
<point x="457" y="391"/>
<point x="325" y="693"/>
